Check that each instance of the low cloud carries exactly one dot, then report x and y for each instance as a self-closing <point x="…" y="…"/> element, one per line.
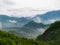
<point x="23" y="12"/>
<point x="12" y="21"/>
<point x="50" y="21"/>
<point x="37" y="20"/>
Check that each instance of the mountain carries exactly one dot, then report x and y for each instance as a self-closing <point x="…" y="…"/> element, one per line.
<point x="31" y="30"/>
<point x="7" y="21"/>
<point x="11" y="39"/>
<point x="25" y="32"/>
<point x="39" y="27"/>
<point x="29" y="27"/>
<point x="21" y="26"/>
<point x="34" y="25"/>
<point x="49" y="17"/>
<point x="52" y="33"/>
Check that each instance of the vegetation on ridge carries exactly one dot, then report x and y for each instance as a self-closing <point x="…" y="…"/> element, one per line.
<point x="11" y="39"/>
<point x="51" y="35"/>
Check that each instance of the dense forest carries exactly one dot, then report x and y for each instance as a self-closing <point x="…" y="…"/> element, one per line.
<point x="52" y="34"/>
<point x="11" y="39"/>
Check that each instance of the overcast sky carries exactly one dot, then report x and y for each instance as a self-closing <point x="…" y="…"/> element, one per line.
<point x="28" y="7"/>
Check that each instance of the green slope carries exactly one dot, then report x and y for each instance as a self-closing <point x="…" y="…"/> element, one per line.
<point x="11" y="39"/>
<point x="52" y="34"/>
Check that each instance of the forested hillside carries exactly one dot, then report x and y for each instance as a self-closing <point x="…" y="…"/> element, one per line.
<point x="52" y="34"/>
<point x="11" y="39"/>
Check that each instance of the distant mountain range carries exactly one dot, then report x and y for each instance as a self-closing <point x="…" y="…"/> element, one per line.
<point x="30" y="30"/>
<point x="29" y="27"/>
<point x="49" y="17"/>
<point x="7" y="21"/>
<point x="34" y="25"/>
<point x="46" y="18"/>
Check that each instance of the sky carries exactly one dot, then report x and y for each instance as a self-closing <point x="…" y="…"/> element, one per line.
<point x="19" y="8"/>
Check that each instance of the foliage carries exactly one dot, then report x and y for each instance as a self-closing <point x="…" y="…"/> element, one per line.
<point x="51" y="35"/>
<point x="11" y="39"/>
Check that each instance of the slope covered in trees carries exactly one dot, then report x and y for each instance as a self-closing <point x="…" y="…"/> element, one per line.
<point x="11" y="39"/>
<point x="52" y="34"/>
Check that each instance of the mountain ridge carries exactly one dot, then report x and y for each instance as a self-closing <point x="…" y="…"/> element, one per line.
<point x="52" y="33"/>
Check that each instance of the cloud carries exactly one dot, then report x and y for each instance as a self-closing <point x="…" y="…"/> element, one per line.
<point x="24" y="8"/>
<point x="8" y="2"/>
<point x="22" y="12"/>
<point x="54" y="20"/>
<point x="12" y="21"/>
<point x="51" y="21"/>
<point x="37" y="20"/>
<point x="41" y="30"/>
